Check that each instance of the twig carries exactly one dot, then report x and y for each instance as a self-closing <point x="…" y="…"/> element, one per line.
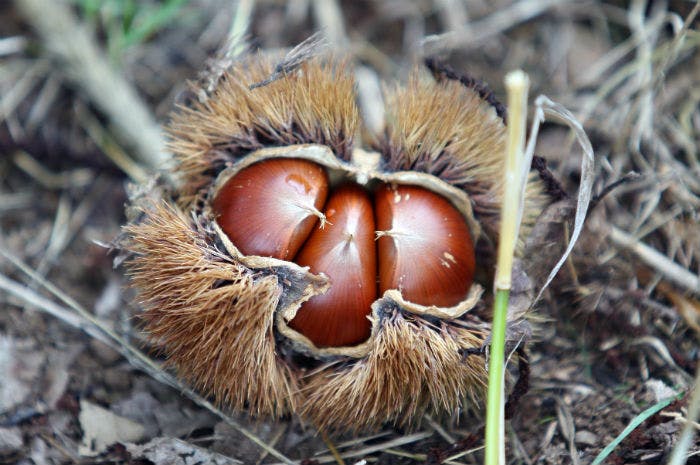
<point x="400" y="441"/>
<point x="656" y="260"/>
<point x="74" y="51"/>
<point x="439" y="429"/>
<point x="627" y="178"/>
<point x="485" y="28"/>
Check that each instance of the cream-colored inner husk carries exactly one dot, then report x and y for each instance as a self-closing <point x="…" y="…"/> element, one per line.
<point x="363" y="168"/>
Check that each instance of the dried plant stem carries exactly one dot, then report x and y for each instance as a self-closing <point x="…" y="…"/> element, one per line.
<point x="659" y="262"/>
<point x="517" y="84"/>
<point x="239" y="27"/>
<point x="74" y="51"/>
<point x="678" y="456"/>
<point x="477" y="32"/>
<point x="331" y="447"/>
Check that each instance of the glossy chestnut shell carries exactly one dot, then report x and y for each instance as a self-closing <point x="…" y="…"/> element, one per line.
<point x="365" y="240"/>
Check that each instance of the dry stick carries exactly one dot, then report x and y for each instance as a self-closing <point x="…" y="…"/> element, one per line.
<point x="492" y="25"/>
<point x="396" y="442"/>
<point x="84" y="320"/>
<point x="659" y="262"/>
<point x="74" y="50"/>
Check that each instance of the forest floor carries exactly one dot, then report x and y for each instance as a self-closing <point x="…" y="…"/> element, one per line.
<point x="616" y="333"/>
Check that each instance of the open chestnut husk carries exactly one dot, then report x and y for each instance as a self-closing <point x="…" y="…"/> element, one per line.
<point x="293" y="271"/>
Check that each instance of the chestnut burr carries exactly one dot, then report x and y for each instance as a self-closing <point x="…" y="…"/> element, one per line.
<point x="277" y="286"/>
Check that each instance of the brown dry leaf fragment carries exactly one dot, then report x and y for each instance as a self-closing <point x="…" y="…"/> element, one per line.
<point x="687" y="307"/>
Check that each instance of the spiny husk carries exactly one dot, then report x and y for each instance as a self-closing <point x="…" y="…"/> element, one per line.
<point x="314" y="104"/>
<point x="219" y="316"/>
<point x="445" y="129"/>
<point x="448" y="130"/>
<point x="212" y="317"/>
<point x="414" y="367"/>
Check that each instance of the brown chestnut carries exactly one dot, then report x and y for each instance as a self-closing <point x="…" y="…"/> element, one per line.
<point x="270" y="207"/>
<point x="424" y="246"/>
<point x="345" y="251"/>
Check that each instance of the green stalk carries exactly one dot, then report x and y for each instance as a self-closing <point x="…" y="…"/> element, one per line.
<point x="517" y="87"/>
<point x="495" y="405"/>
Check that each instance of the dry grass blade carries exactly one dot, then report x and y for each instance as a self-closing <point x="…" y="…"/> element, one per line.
<point x="82" y="319"/>
<point x="21" y="89"/>
<point x="678" y="456"/>
<point x="481" y="30"/>
<point x="109" y="146"/>
<point x="239" y="27"/>
<point x="659" y="262"/>
<point x="676" y="45"/>
<point x="76" y="178"/>
<point x="543" y="106"/>
<point x="74" y="50"/>
<point x="393" y="443"/>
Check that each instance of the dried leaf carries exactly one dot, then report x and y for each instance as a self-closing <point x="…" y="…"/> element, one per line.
<point x="544" y="105"/>
<point x="168" y="451"/>
<point x="687" y="307"/>
<point x="102" y="428"/>
<point x="19" y="368"/>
